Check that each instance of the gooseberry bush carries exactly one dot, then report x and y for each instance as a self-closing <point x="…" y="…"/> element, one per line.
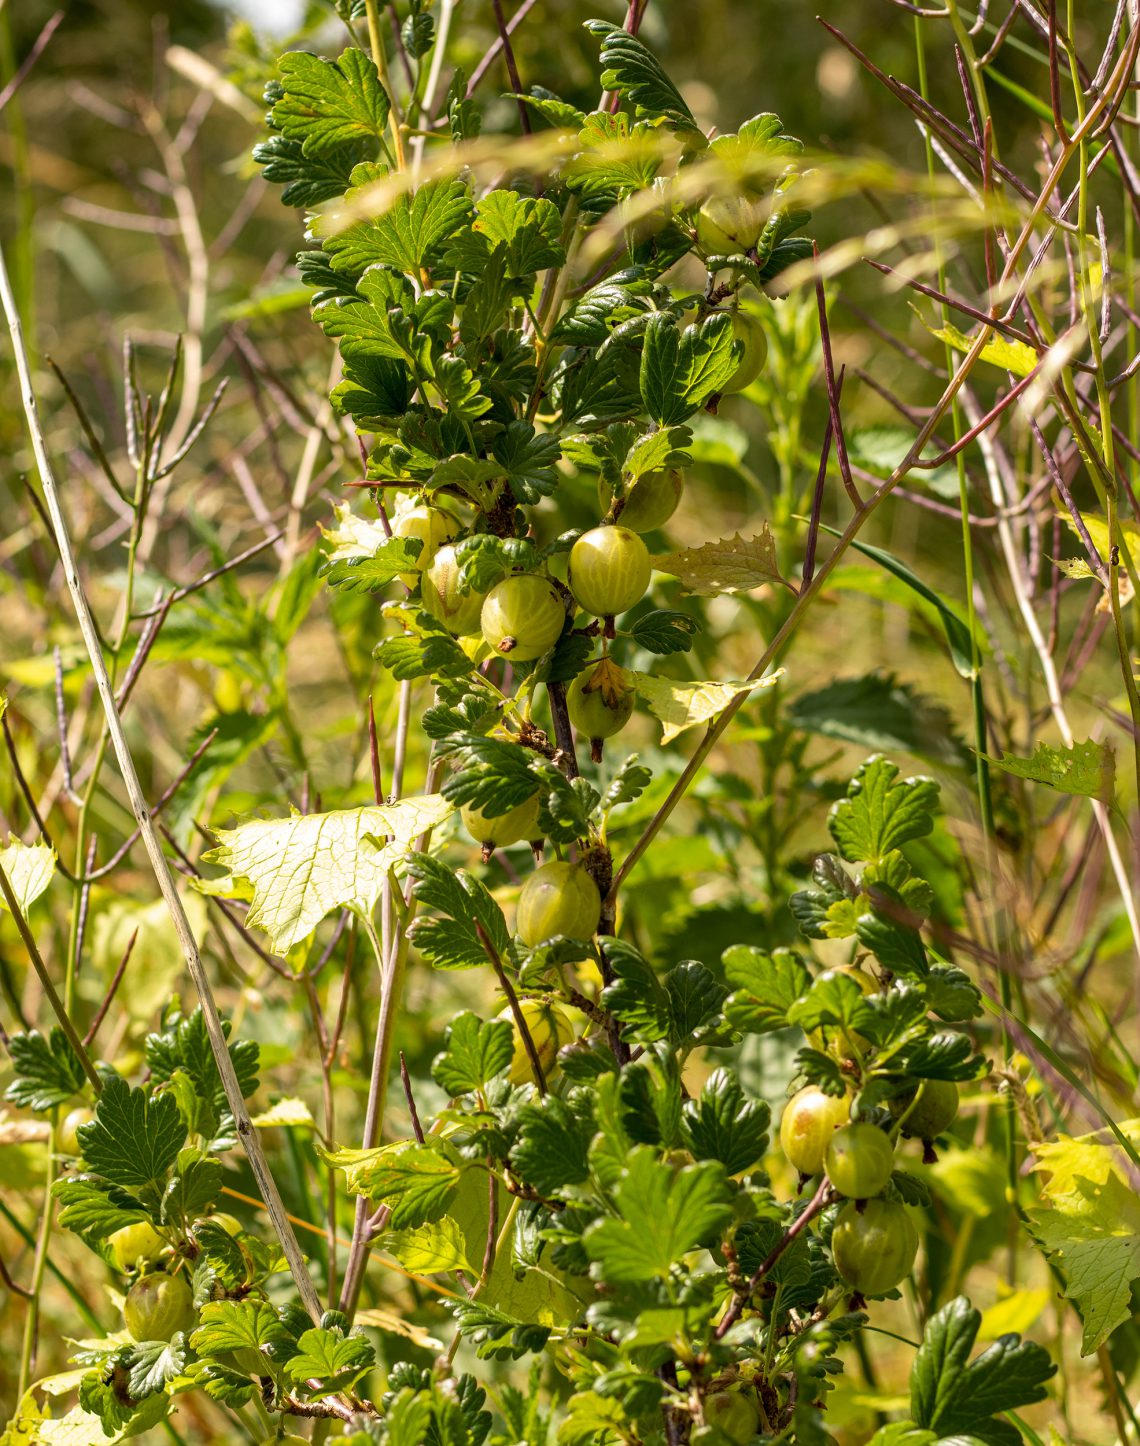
<point x="612" y="1227"/>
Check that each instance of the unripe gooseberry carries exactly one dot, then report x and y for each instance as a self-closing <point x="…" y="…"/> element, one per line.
<point x="520" y="822"/>
<point x="748" y="330"/>
<point x="730" y="225"/>
<point x="609" y="570"/>
<point x="134" y="1247"/>
<point x="734" y="1414"/>
<point x="809" y="1120"/>
<point x="558" y="898"/>
<point x="859" y="1160"/>
<point x="549" y="1027"/>
<point x="443" y="598"/>
<point x="432" y="526"/>
<point x="523" y="617"/>
<point x="600" y="703"/>
<point x="67" y="1140"/>
<point x="649" y="502"/>
<point x="874" y="1245"/>
<point x="157" y="1307"/>
<point x="935" y="1109"/>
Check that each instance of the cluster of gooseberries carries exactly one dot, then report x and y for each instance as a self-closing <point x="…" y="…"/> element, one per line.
<point x="874" y="1240"/>
<point x="522" y="616"/>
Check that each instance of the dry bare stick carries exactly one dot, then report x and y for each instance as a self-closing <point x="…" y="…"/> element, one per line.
<point x="250" y="1143"/>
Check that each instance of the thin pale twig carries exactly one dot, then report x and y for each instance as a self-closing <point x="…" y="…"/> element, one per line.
<point x="218" y="1042"/>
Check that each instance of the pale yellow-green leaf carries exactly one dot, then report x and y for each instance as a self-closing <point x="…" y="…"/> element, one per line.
<point x="352" y="536"/>
<point x="681" y="705"/>
<point x="731" y="564"/>
<point x="303" y="867"/>
<point x="285" y="1112"/>
<point x="29" y="868"/>
<point x="429" y="1249"/>
<point x="397" y="1325"/>
<point x="1016" y="1314"/>
<point x="33" y="1426"/>
<point x="157" y="964"/>
<point x="1097" y="528"/>
<point x="1011" y="356"/>
<point x="23" y="1428"/>
<point x="1068" y="1159"/>
<point x="1075" y="567"/>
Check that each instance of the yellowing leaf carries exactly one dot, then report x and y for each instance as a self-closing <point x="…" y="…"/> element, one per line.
<point x="302" y="867"/>
<point x="284" y="1113"/>
<point x="29" y="868"/>
<point x="1015" y="1314"/>
<point x="680" y="705"/>
<point x="1093" y="1237"/>
<point x="396" y="1325"/>
<point x="1069" y="1159"/>
<point x="429" y="1249"/>
<point x="1011" y="356"/>
<point x="352" y="536"/>
<point x="730" y="565"/>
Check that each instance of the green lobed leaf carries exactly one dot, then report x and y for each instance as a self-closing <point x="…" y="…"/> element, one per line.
<point x="681" y="370"/>
<point x="721" y="1124"/>
<point x="765" y="987"/>
<point x="631" y="68"/>
<point x="327" y="1360"/>
<point x="474" y="1052"/>
<point x="369" y="574"/>
<point x="326" y="103"/>
<point x="418" y="1181"/>
<point x="881" y="813"/>
<point x="953" y="1396"/>
<point x="662" y="1215"/>
<point x="664" y="631"/>
<point x="552" y="1150"/>
<point x="449" y="939"/>
<point x="95" y="1209"/>
<point x="408" y="234"/>
<point x="1086" y="769"/>
<point x="134" y="1138"/>
<point x="47" y="1070"/>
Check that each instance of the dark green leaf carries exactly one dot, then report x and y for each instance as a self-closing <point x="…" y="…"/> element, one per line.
<point x="765" y="987"/>
<point x="474" y="1053"/>
<point x="723" y="1125"/>
<point x="551" y="1152"/>
<point x="663" y="631"/>
<point x="133" y="1139"/>
<point x="681" y="370"/>
<point x="449" y="939"/>
<point x="955" y="1397"/>
<point x="631" y="68"/>
<point x="47" y="1070"/>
